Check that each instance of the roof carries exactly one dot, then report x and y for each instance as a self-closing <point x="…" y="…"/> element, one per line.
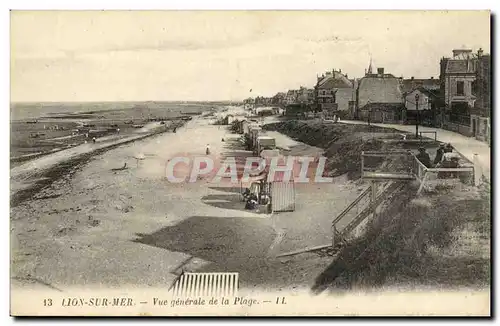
<point x="379" y="90"/>
<point x="465" y="55"/>
<point x="461" y="65"/>
<point x="409" y="85"/>
<point x="430" y="92"/>
<point x="337" y="80"/>
<point x="434" y="93"/>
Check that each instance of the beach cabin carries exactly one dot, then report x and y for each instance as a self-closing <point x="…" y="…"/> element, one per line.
<point x="254" y="134"/>
<point x="265" y="142"/>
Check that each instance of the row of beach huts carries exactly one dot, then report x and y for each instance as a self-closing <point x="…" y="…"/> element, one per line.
<point x="280" y="194"/>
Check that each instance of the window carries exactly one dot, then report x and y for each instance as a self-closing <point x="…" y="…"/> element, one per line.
<point x="474" y="87"/>
<point x="460" y="88"/>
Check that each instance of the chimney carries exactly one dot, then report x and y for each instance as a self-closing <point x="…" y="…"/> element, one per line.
<point x="432" y="77"/>
<point x="340" y="70"/>
<point x="380" y="71"/>
<point x="412" y="78"/>
<point x="480" y="52"/>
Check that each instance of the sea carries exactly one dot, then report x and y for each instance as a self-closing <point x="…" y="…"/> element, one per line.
<point x="33" y="110"/>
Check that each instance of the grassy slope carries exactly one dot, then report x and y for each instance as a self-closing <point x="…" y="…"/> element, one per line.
<point x="439" y="240"/>
<point x="343" y="143"/>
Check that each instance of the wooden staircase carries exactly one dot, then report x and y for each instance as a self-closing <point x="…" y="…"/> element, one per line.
<point x="389" y="189"/>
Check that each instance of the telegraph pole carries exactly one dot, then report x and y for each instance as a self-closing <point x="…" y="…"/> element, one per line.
<point x="418" y="115"/>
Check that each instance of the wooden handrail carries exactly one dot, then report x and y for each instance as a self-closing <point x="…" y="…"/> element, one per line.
<point x="368" y="210"/>
<point x="466" y="169"/>
<point x="351" y="205"/>
<point x="366" y="153"/>
<point x="429" y="132"/>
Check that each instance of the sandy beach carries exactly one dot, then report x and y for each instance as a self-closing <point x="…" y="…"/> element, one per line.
<point x="107" y="228"/>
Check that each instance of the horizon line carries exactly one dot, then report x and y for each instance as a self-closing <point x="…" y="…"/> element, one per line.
<point x="128" y="101"/>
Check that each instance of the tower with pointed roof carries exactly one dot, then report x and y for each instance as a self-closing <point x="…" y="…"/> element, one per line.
<point x="370" y="67"/>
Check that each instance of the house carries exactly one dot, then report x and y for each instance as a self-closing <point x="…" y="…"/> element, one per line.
<point x="297" y="110"/>
<point x="412" y="83"/>
<point x="291" y="97"/>
<point x="333" y="91"/>
<point x="278" y="99"/>
<point x="305" y="95"/>
<point x="248" y="100"/>
<point x="379" y="97"/>
<point x="262" y="101"/>
<point x="429" y="102"/>
<point x="459" y="85"/>
<point x="481" y="112"/>
<point x="382" y="112"/>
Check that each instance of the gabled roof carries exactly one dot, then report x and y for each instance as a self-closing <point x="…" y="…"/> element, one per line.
<point x="434" y="93"/>
<point x="379" y="90"/>
<point x="338" y="80"/>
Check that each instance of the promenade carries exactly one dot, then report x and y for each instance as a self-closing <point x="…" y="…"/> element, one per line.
<point x="466" y="145"/>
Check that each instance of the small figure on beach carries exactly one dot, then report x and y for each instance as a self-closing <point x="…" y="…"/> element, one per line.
<point x="208" y="149"/>
<point x="93" y="140"/>
<point x="252" y="202"/>
<point x="175" y="129"/>
<point x="246" y="194"/>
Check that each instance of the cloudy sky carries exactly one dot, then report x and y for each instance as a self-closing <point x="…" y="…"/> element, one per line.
<point x="161" y="55"/>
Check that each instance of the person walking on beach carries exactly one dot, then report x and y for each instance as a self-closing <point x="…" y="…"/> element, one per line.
<point x="93" y="140"/>
<point x="208" y="149"/>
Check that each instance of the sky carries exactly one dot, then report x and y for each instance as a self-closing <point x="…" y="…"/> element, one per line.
<point x="221" y="55"/>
